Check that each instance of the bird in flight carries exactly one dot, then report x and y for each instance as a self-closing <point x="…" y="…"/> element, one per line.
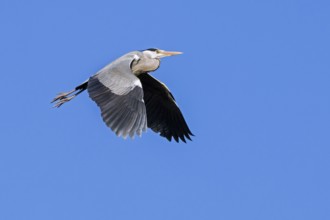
<point x="131" y="100"/>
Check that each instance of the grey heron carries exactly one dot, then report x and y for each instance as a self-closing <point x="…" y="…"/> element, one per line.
<point x="131" y="100"/>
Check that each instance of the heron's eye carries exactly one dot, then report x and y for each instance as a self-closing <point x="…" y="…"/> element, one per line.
<point x="157" y="51"/>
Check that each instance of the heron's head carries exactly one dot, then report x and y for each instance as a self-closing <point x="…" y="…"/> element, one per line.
<point x="154" y="53"/>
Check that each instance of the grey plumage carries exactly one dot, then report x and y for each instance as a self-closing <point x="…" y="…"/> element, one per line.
<point x="130" y="99"/>
<point x="124" y="114"/>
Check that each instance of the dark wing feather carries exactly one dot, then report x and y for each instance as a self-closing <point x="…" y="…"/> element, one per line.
<point x="164" y="116"/>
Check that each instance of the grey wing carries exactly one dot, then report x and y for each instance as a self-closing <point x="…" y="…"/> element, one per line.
<point x="119" y="95"/>
<point x="164" y="116"/>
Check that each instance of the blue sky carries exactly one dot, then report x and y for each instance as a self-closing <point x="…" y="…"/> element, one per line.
<point x="253" y="84"/>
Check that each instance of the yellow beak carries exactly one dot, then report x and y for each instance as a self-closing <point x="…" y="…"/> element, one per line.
<point x="169" y="53"/>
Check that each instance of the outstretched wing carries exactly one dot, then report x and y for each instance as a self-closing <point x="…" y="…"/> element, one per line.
<point x="119" y="95"/>
<point x="164" y="116"/>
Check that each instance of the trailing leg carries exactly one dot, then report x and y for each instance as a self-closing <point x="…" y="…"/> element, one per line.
<point x="64" y="97"/>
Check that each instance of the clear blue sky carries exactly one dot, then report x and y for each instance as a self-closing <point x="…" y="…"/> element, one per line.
<point x="253" y="84"/>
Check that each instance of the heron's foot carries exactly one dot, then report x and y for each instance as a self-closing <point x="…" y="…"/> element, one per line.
<point x="62" y="98"/>
<point x="60" y="102"/>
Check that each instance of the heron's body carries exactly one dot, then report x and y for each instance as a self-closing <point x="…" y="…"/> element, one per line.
<point x="131" y="100"/>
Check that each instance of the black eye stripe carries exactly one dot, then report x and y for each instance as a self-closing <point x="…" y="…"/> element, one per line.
<point x="153" y="49"/>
